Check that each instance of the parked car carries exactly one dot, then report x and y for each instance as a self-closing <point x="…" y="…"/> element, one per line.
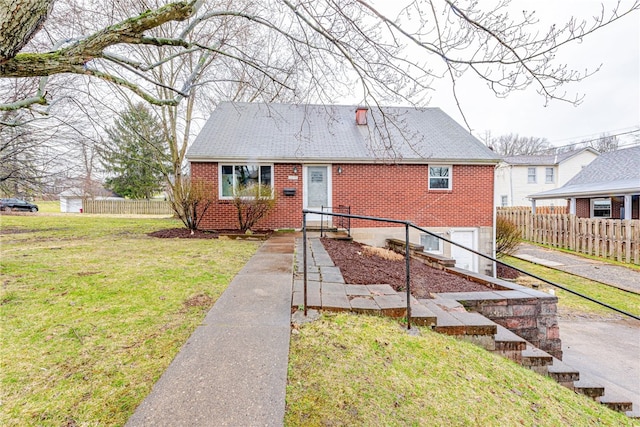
<point x="17" y="205"/>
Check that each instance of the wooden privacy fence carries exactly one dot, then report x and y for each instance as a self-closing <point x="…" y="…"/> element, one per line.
<point x="127" y="207"/>
<point x="539" y="209"/>
<point x="607" y="238"/>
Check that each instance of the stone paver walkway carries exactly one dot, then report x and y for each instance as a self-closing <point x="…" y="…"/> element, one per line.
<point x="233" y="369"/>
<point x="327" y="290"/>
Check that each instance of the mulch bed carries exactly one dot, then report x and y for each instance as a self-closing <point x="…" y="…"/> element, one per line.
<point x="183" y="233"/>
<point x="361" y="268"/>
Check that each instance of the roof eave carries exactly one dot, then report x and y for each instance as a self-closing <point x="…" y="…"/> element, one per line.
<point x="309" y="160"/>
<point x="586" y="193"/>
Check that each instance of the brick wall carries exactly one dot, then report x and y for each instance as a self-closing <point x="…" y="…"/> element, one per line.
<point x="401" y="192"/>
<point x="287" y="213"/>
<point x="392" y="191"/>
<point x="583" y="208"/>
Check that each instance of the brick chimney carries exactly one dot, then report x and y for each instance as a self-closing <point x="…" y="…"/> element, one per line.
<point x="361" y="115"/>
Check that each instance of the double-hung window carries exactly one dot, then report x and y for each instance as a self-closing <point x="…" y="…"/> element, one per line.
<point x="601" y="208"/>
<point x="548" y="176"/>
<point x="531" y="175"/>
<point x="439" y="177"/>
<point x="242" y="177"/>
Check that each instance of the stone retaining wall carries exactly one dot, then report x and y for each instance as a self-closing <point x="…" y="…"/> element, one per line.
<point x="526" y="312"/>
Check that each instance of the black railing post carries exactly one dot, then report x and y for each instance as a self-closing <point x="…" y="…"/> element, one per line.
<point x="304" y="260"/>
<point x="408" y="274"/>
<point x="322" y="221"/>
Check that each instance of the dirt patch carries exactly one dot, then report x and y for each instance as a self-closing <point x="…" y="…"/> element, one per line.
<point x="362" y="266"/>
<point x="200" y="300"/>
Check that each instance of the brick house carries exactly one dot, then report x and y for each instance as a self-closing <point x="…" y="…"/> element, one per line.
<point x="608" y="187"/>
<point x="403" y="163"/>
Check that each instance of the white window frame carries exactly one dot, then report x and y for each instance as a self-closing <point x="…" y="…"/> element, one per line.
<point x="448" y="178"/>
<point x="439" y="249"/>
<point x="531" y="177"/>
<point x="603" y="201"/>
<point x="233" y="168"/>
<point x="549" y="178"/>
<point x="504" y="201"/>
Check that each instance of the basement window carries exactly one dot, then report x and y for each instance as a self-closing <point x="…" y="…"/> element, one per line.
<point x="234" y="177"/>
<point x="431" y="244"/>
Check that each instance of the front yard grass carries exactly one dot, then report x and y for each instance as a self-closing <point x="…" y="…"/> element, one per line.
<point x="93" y="311"/>
<point x="352" y="370"/>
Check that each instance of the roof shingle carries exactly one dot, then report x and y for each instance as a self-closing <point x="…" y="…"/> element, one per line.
<point x="287" y="132"/>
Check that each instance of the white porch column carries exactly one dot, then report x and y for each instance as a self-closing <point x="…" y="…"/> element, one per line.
<point x="627" y="206"/>
<point x="572" y="206"/>
<point x="533" y="206"/>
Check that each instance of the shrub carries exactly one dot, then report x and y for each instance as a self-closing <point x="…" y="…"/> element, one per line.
<point x="190" y="199"/>
<point x="253" y="202"/>
<point x="507" y="237"/>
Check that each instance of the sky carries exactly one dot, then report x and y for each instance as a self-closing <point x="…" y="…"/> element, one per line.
<point x="611" y="97"/>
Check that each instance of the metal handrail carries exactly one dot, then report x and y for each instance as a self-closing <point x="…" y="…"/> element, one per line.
<point x="340" y="208"/>
<point x="408" y="224"/>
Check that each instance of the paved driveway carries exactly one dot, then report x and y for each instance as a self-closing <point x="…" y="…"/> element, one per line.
<point x="606" y="352"/>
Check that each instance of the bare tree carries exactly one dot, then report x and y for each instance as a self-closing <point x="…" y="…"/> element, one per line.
<point x="515" y="145"/>
<point x="321" y="45"/>
<point x="604" y="144"/>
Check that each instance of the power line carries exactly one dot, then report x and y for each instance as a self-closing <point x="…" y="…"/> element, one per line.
<point x="598" y="138"/>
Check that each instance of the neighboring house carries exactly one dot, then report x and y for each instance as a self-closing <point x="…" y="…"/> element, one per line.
<point x="609" y="187"/>
<point x="402" y="163"/>
<point x="519" y="176"/>
<point x="71" y="199"/>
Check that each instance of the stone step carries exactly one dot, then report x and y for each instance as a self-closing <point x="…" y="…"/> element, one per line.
<point x="617" y="403"/>
<point x="589" y="388"/>
<point x="509" y="345"/>
<point x="563" y="373"/>
<point x="339" y="235"/>
<point x="422" y="316"/>
<point x="445" y="322"/>
<point x="536" y="359"/>
<point x="507" y="340"/>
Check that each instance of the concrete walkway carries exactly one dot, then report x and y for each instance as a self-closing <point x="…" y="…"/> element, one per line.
<point x="233" y="369"/>
<point x="601" y="271"/>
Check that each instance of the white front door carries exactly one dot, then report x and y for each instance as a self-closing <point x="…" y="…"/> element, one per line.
<point x="465" y="259"/>
<point x="317" y="190"/>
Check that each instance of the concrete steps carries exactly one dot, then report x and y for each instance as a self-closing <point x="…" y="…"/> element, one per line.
<point x="453" y="320"/>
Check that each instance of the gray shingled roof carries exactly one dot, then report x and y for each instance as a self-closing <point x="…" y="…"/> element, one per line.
<point x="329" y="133"/>
<point x="613" y="173"/>
<point x="543" y="160"/>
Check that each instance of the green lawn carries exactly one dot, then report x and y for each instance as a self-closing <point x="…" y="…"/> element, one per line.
<point x="348" y="370"/>
<point x="93" y="310"/>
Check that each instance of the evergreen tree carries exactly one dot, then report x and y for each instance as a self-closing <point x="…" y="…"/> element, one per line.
<point x="135" y="154"/>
